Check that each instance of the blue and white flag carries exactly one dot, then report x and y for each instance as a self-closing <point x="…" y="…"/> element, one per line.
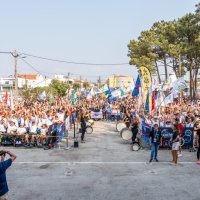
<point x="116" y="93"/>
<point x="106" y="89"/>
<point x="137" y="86"/>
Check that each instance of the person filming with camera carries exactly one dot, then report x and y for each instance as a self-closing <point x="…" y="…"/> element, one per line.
<point x="4" y="165"/>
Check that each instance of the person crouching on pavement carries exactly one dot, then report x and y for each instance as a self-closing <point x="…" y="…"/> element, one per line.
<point x="4" y="165"/>
<point x="155" y="141"/>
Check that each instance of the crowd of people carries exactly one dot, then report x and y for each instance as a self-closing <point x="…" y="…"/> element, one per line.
<point x="31" y="120"/>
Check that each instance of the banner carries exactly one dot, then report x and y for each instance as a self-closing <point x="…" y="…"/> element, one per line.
<point x="146" y="129"/>
<point x="115" y="112"/>
<point x="146" y="81"/>
<point x="97" y="115"/>
<point x="187" y="136"/>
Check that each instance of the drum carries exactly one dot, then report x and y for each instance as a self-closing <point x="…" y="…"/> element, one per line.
<point x="120" y="126"/>
<point x="136" y="147"/>
<point x="126" y="134"/>
<point x="91" y="121"/>
<point x="89" y="130"/>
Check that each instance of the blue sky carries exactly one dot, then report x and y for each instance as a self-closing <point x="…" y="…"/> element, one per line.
<point x="95" y="31"/>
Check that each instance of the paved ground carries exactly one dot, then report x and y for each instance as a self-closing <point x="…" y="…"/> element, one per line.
<point x="102" y="168"/>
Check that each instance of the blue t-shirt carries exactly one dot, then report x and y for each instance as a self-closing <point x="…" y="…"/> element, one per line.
<point x="3" y="182"/>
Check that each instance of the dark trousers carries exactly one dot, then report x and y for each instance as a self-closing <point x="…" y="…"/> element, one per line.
<point x="83" y="134"/>
<point x="128" y="124"/>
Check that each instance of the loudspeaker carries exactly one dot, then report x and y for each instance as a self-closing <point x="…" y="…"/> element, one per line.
<point x="75" y="144"/>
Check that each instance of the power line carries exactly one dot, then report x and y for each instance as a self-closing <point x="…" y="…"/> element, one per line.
<point x="31" y="66"/>
<point x="72" y="62"/>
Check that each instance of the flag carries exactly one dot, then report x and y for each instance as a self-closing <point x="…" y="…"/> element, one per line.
<point x="6" y="97"/>
<point x="153" y="98"/>
<point x="106" y="89"/>
<point x="73" y="98"/>
<point x="137" y="86"/>
<point x="11" y="100"/>
<point x="51" y="99"/>
<point x="147" y="102"/>
<point x="168" y="99"/>
<point x="42" y="96"/>
<point x="116" y="93"/>
<point x="179" y="85"/>
<point x="146" y="81"/>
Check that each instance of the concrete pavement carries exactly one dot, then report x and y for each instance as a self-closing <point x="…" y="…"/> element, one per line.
<point x="102" y="168"/>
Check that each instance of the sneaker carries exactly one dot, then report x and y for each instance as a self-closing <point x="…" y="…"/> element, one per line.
<point x="156" y="160"/>
<point x="150" y="160"/>
<point x="17" y="142"/>
<point x="198" y="162"/>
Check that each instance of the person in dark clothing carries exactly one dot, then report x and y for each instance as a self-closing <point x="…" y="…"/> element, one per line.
<point x="4" y="165"/>
<point x="83" y="127"/>
<point x="155" y="140"/>
<point x="134" y="129"/>
<point x="198" y="150"/>
<point x="127" y="119"/>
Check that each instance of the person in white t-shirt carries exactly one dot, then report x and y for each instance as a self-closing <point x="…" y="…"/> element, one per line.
<point x="21" y="131"/>
<point x="2" y="126"/>
<point x="12" y="128"/>
<point x="189" y="123"/>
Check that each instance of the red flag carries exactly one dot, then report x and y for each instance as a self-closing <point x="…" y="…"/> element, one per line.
<point x="6" y="97"/>
<point x="153" y="100"/>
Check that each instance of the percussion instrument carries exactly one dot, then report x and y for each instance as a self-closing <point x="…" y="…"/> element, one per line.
<point x="120" y="125"/>
<point x="126" y="134"/>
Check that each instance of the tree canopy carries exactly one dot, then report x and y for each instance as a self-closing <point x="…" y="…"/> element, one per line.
<point x="170" y="44"/>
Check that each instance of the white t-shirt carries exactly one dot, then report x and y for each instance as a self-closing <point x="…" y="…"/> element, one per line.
<point x="21" y="130"/>
<point x="189" y="125"/>
<point x="2" y="128"/>
<point x="11" y="128"/>
<point x="33" y="129"/>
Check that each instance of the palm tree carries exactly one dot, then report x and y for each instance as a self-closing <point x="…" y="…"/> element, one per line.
<point x="86" y="85"/>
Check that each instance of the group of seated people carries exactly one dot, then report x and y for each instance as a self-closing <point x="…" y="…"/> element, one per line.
<point x="27" y="135"/>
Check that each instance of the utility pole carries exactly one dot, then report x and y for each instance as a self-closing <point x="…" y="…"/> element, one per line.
<point x="99" y="81"/>
<point x="15" y="55"/>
